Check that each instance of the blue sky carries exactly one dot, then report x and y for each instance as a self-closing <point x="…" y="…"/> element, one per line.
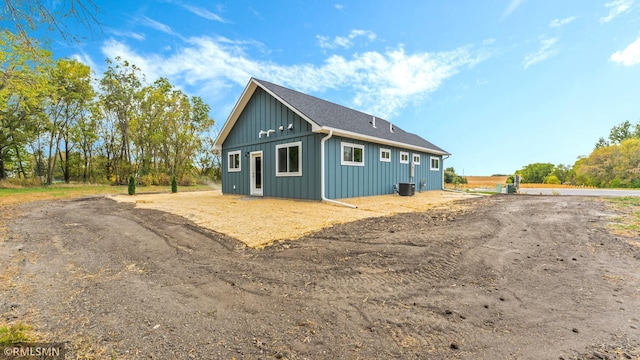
<point x="499" y="84"/>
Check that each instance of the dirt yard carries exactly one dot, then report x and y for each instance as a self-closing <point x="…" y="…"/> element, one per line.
<point x="258" y="221"/>
<point x="502" y="277"/>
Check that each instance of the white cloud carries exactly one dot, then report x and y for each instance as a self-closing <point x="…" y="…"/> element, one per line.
<point x="204" y="13"/>
<point x="344" y="41"/>
<point x="339" y="6"/>
<point x="629" y="56"/>
<point x="129" y="34"/>
<point x="546" y="51"/>
<point x="617" y="7"/>
<point x="156" y="25"/>
<point x="379" y="83"/>
<point x="562" y="22"/>
<point x="513" y="5"/>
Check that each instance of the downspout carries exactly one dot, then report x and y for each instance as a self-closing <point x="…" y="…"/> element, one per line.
<point x="322" y="185"/>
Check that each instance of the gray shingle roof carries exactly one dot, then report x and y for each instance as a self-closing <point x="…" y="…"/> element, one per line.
<point x="327" y="114"/>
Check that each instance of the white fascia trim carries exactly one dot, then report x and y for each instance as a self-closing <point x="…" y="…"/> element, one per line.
<point x="352" y="135"/>
<point x="314" y="126"/>
<point x="235" y="114"/>
<point x="242" y="102"/>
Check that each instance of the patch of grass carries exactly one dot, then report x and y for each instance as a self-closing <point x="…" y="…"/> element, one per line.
<point x="14" y="334"/>
<point x="15" y="195"/>
<point x="629" y="221"/>
<point x="631" y="201"/>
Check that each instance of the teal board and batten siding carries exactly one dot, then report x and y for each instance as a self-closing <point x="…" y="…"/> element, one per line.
<point x="264" y="112"/>
<point x="375" y="177"/>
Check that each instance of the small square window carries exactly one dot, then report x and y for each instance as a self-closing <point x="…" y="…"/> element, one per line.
<point x="404" y="157"/>
<point x="385" y="155"/>
<point x="234" y="163"/>
<point x="416" y="159"/>
<point x="352" y="154"/>
<point x="435" y="163"/>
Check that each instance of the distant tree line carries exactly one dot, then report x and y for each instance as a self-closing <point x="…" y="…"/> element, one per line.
<point x="615" y="162"/>
<point x="57" y="122"/>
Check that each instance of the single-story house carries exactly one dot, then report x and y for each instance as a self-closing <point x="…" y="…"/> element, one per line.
<point x="279" y="142"/>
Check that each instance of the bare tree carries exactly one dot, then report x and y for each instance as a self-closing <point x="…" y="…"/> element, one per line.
<point x="31" y="15"/>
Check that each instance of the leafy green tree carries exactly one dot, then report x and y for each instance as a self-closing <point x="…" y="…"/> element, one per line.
<point x="536" y="173"/>
<point x="117" y="107"/>
<point x="68" y="103"/>
<point x="552" y="179"/>
<point x="617" y="165"/>
<point x="23" y="85"/>
<point x="623" y="131"/>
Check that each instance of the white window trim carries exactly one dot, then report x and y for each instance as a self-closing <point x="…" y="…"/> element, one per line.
<point x="355" y="146"/>
<point x="404" y="161"/>
<point x="385" y="159"/>
<point x="413" y="158"/>
<point x="431" y="163"/>
<point x="239" y="168"/>
<point x="288" y="145"/>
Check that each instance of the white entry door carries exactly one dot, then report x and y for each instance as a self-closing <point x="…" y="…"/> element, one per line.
<point x="256" y="173"/>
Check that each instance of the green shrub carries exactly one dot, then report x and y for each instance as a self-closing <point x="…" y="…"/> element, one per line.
<point x="187" y="180"/>
<point x="132" y="185"/>
<point x="162" y="179"/>
<point x="551" y="179"/>
<point x="174" y="185"/>
<point x="146" y="180"/>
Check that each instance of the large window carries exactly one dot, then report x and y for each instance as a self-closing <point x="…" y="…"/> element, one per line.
<point x="385" y="155"/>
<point x="404" y="157"/>
<point x="352" y="154"/>
<point x="289" y="159"/>
<point x="234" y="162"/>
<point x="435" y="163"/>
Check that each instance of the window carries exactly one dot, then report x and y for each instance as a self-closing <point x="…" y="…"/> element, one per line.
<point x="416" y="159"/>
<point x="352" y="154"/>
<point x="234" y="161"/>
<point x="385" y="155"/>
<point x="435" y="163"/>
<point x="404" y="157"/>
<point x="289" y="159"/>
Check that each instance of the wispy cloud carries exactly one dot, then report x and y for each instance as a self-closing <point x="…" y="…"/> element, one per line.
<point x="617" y="7"/>
<point x="156" y="25"/>
<point x="381" y="83"/>
<point x="338" y="6"/>
<point x="546" y="51"/>
<point x="513" y="5"/>
<point x="203" y="13"/>
<point x="562" y="22"/>
<point x="344" y="41"/>
<point x="129" y="34"/>
<point x="629" y="56"/>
